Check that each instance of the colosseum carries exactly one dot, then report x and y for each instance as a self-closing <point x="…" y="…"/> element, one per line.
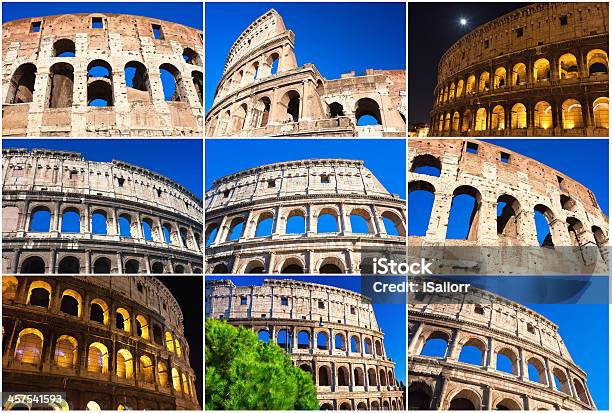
<point x="62" y="214"/>
<point x="541" y="70"/>
<point x="329" y="332"/>
<point x="297" y="217"/>
<point x="524" y="363"/>
<point x="509" y="192"/>
<point x="107" y="343"/>
<point x="263" y="92"/>
<point x="101" y="74"/>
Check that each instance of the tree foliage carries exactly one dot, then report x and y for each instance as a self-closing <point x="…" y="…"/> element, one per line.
<point x="244" y="373"/>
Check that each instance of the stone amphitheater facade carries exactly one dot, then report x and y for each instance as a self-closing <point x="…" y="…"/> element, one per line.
<point x="495" y="326"/>
<point x="540" y="70"/>
<point x="47" y="92"/>
<point x="237" y="204"/>
<point x="506" y="243"/>
<point x="251" y="100"/>
<point x="129" y="219"/>
<point x="329" y="332"/>
<point x="107" y="342"/>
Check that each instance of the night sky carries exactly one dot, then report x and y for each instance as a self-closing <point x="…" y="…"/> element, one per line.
<point x="189" y="292"/>
<point x="432" y="29"/>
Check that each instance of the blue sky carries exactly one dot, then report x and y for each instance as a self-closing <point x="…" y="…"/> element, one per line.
<point x="584" y="160"/>
<point x="177" y="159"/>
<point x="391" y="317"/>
<point x="187" y="13"/>
<point x="335" y="37"/>
<point x="386" y="158"/>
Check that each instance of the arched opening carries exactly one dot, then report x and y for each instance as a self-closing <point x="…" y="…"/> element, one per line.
<point x="483" y="83"/>
<point x="464" y="215"/>
<point x="447" y="122"/>
<point x="272" y="63"/>
<point x="40" y="220"/>
<point x="536" y="371"/>
<point x="261" y="112"/>
<point x="561" y="382"/>
<point x="66" y="352"/>
<point x="147" y="229"/>
<point x="419" y="396"/>
<point x="330" y="266"/>
<point x="61" y="83"/>
<point x="597" y="62"/>
<point x="191" y="57"/>
<point x="507" y="404"/>
<point x="29" y="345"/>
<point x="322" y="341"/>
<point x="507" y="361"/>
<point x="198" y="82"/>
<point x="167" y="231"/>
<point x="571" y="114"/>
<point x="327" y="221"/>
<point x="239" y="117"/>
<point x="343" y="376"/>
<point x="162" y="373"/>
<point x="459" y="91"/>
<point x="339" y="342"/>
<point x="451" y="91"/>
<point x="102" y="266"/>
<point x="69" y="265"/>
<point x="132" y="267"/>
<point x="464" y="400"/>
<point x="481" y="119"/>
<point x="541" y="70"/>
<point x="372" y="379"/>
<point x="568" y="66"/>
<point x="508" y="209"/>
<point x="236" y="229"/>
<point x="296" y="222"/>
<point x="542" y="115"/>
<point x="64" y="48"/>
<point x="282" y="339"/>
<point x="172" y="83"/>
<point x="71" y="303"/>
<point x="367" y="346"/>
<point x="291" y="101"/>
<point x="137" y="82"/>
<point x="125" y="365"/>
<point x="179" y="269"/>
<point x="361" y="222"/>
<point x="359" y="376"/>
<point x="33" y="265"/>
<point x="519" y="74"/>
<point x="382" y="378"/>
<point x="142" y="327"/>
<point x="157" y="268"/>
<point x="355" y="345"/>
<point x="472" y="352"/>
<point x="71" y="221"/>
<point x="324" y="376"/>
<point x="303" y="340"/>
<point x="466" y="124"/>
<point x="125" y="226"/>
<point x="98" y="311"/>
<point x="220" y="269"/>
<point x="601" y="114"/>
<point x="122" y="319"/>
<point x="336" y="110"/>
<point x="470" y="85"/>
<point x="39" y="294"/>
<point x="581" y="391"/>
<point x="99" y="84"/>
<point x="435" y="345"/>
<point x="264" y="225"/>
<point x="420" y="203"/>
<point x="499" y="80"/>
<point x="498" y="121"/>
<point x="367" y="112"/>
<point x="254" y="267"/>
<point x="21" y="89"/>
<point x="264" y="335"/>
<point x="292" y="266"/>
<point x="169" y="340"/>
<point x="211" y="234"/>
<point x="394" y="226"/>
<point x="146" y="369"/>
<point x="455" y="122"/>
<point x="97" y="358"/>
<point x="518" y="116"/>
<point x="543" y="216"/>
<point x="99" y="223"/>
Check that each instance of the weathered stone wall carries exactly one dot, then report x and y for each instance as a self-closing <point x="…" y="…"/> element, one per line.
<point x="541" y="70"/>
<point x="47" y="95"/>
<point x="308" y="320"/>
<point x="495" y="326"/>
<point x="60" y="182"/>
<point x="251" y="100"/>
<point x="152" y="334"/>
<point x="307" y="188"/>
<point x="524" y="185"/>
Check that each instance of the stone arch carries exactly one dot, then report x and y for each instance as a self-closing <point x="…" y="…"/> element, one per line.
<point x="507" y="403"/>
<point x="125" y="364"/>
<point x="290" y="106"/>
<point x="29" y="346"/>
<point x="102" y="265"/>
<point x="303" y="342"/>
<point x="367" y="106"/>
<point x="293" y="265"/>
<point x="66" y="352"/>
<point x="455" y="122"/>
<point x="137" y="82"/>
<point x="343" y="376"/>
<point x="518" y="116"/>
<point x="562" y="380"/>
<point x="474" y="218"/>
<point x="498" y="121"/>
<point x="221" y="268"/>
<point x="191" y="57"/>
<point x="597" y="62"/>
<point x="272" y="62"/>
<point x="541" y="70"/>
<point x="297" y="215"/>
<point x="99" y="83"/>
<point x="132" y="266"/>
<point x="197" y="78"/>
<point x="99" y="222"/>
<point x="471" y="343"/>
<point x="178" y="93"/>
<point x="39" y="294"/>
<point x="542" y="115"/>
<point x="324" y="374"/>
<point x="581" y="391"/>
<point x="601" y="112"/>
<point x="146" y="369"/>
<point x="64" y="48"/>
<point x="393" y="223"/>
<point x="499" y="78"/>
<point x="264" y="224"/>
<point x="61" y="85"/>
<point x="359" y="215"/>
<point x="359" y="376"/>
<point x="97" y="358"/>
<point x="480" y="121"/>
<point x="470" y="85"/>
<point x="261" y="115"/>
<point x="40" y="219"/>
<point x="69" y="265"/>
<point x="122" y="319"/>
<point x="33" y="265"/>
<point x="336" y="110"/>
<point x="21" y="88"/>
<point x="419" y="396"/>
<point x="568" y="66"/>
<point x="519" y="74"/>
<point x="433" y="338"/>
<point x="255" y="267"/>
<point x="508" y="210"/>
<point x="571" y="114"/>
<point x="459" y="91"/>
<point x="483" y="82"/>
<point x="71" y="303"/>
<point x="240" y="115"/>
<point x="331" y="265"/>
<point x="465" y="399"/>
<point x="539" y="367"/>
<point x="98" y="311"/>
<point x="550" y="217"/>
<point x="466" y="124"/>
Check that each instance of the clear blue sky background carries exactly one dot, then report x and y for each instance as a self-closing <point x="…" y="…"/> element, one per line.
<point x="189" y="14"/>
<point x="584" y="160"/>
<point x="177" y="159"/>
<point x="335" y="37"/>
<point x="391" y="317"/>
<point x="386" y="158"/>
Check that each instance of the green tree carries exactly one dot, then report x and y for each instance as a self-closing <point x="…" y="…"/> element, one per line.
<point x="244" y="373"/>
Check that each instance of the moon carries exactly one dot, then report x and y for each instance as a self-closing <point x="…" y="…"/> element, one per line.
<point x="463" y="21"/>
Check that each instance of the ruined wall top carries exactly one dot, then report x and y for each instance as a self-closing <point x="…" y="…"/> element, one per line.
<point x="535" y="25"/>
<point x="265" y="28"/>
<point x="62" y="171"/>
<point x="354" y="309"/>
<point x="308" y="177"/>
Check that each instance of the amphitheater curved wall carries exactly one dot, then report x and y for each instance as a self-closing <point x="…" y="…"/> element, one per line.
<point x="237" y="204"/>
<point x="329" y="332"/>
<point x="495" y="176"/>
<point x="541" y="70"/>
<point x="130" y="219"/>
<point x="47" y="92"/>
<point x="496" y="326"/>
<point x="263" y="92"/>
<point x="115" y="341"/>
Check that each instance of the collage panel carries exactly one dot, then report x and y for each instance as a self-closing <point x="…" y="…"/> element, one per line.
<point x="114" y="69"/>
<point x="116" y="342"/>
<point x="86" y="207"/>
<point x="336" y="348"/>
<point x="509" y="69"/>
<point x="276" y="69"/>
<point x="508" y="343"/>
<point x="304" y="207"/>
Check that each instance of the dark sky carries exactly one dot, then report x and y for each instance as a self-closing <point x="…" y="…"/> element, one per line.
<point x="432" y="29"/>
<point x="189" y="292"/>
